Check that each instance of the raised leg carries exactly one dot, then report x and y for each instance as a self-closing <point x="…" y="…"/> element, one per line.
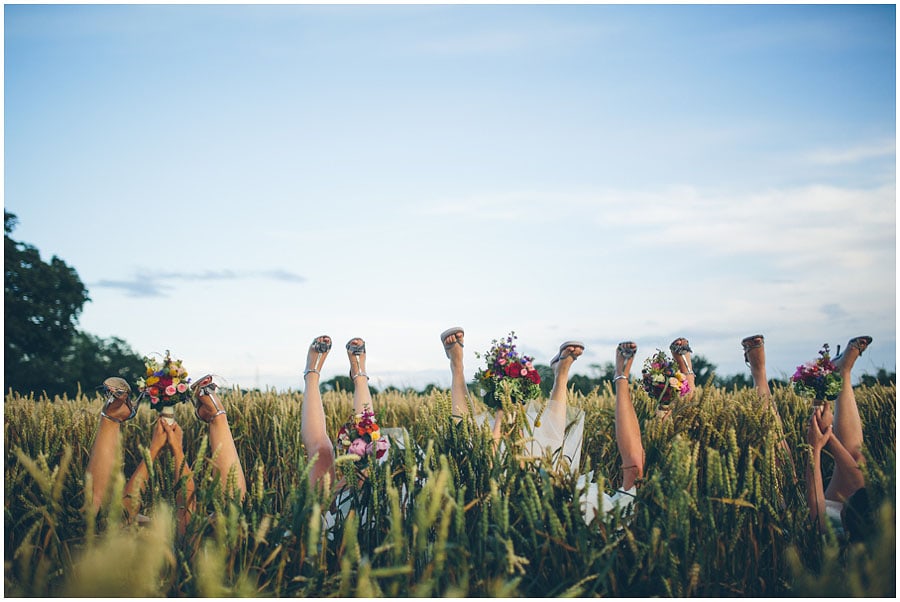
<point x="628" y="429"/>
<point x="561" y="364"/>
<point x="755" y="356"/>
<point x="848" y="456"/>
<point x="312" y="430"/>
<point x="681" y="353"/>
<point x="362" y="397"/>
<point x="221" y="441"/>
<point x="116" y="410"/>
<point x="452" y="339"/>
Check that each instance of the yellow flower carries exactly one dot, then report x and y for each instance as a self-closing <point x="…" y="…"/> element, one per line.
<point x="375" y="435"/>
<point x="173" y="371"/>
<point x="152" y="380"/>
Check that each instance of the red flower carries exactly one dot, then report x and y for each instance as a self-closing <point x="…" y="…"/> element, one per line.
<point x="514" y="369"/>
<point x="153" y="391"/>
<point x="534" y="377"/>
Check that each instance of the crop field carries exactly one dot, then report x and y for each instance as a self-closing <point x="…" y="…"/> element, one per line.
<point x="721" y="510"/>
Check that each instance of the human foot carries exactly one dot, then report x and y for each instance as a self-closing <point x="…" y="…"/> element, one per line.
<point x="315" y="357"/>
<point x="855" y="347"/>
<point x="624" y="358"/>
<point x="568" y="353"/>
<point x="356" y="352"/>
<point x="206" y="404"/>
<point x="754" y="350"/>
<point x="452" y="339"/>
<point x="118" y="406"/>
<point x="681" y="353"/>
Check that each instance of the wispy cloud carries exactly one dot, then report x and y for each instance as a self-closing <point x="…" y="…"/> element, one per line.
<point x="842" y="156"/>
<point x="147" y="284"/>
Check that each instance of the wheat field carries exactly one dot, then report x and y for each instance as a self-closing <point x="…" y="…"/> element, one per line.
<point x="721" y="510"/>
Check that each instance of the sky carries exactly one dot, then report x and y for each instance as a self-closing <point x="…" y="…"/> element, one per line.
<point x="231" y="181"/>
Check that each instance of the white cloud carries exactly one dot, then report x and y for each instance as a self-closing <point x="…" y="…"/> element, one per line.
<point x="856" y="154"/>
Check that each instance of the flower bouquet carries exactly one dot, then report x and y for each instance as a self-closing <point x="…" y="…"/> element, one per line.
<point x="165" y="383"/>
<point x="662" y="380"/>
<point x="507" y="373"/>
<point x="819" y="379"/>
<point x="361" y="437"/>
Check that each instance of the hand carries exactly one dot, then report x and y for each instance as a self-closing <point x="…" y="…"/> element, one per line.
<point x="816" y="436"/>
<point x="174" y="437"/>
<point x="825" y="418"/>
<point x="158" y="442"/>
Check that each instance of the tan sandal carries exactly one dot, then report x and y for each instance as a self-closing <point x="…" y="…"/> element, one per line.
<point x="206" y="387"/>
<point x="321" y="348"/>
<point x="356" y="351"/>
<point x="115" y="388"/>
<point x="558" y="356"/>
<point x="752" y="342"/>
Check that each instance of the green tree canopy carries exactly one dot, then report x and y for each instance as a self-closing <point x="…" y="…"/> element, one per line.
<point x="44" y="351"/>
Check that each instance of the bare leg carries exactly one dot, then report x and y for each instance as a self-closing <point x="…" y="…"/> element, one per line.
<point x="452" y="340"/>
<point x="681" y="353"/>
<point x="362" y="397"/>
<point x="847" y="477"/>
<point x="561" y="364"/>
<point x="225" y="456"/>
<point x="103" y="454"/>
<point x="628" y="429"/>
<point x="312" y="427"/>
<point x="755" y="355"/>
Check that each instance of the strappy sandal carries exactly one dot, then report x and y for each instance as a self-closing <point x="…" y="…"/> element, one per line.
<point x="752" y="342"/>
<point x="206" y="387"/>
<point x="450" y="332"/>
<point x="860" y="343"/>
<point x="562" y="348"/>
<point x="680" y="349"/>
<point x="356" y="351"/>
<point x="321" y="348"/>
<point x="627" y="353"/>
<point x="116" y="387"/>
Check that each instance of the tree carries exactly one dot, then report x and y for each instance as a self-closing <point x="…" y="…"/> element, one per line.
<point x="42" y="302"/>
<point x="44" y="350"/>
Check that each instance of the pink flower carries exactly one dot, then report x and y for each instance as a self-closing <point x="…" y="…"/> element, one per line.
<point x="501" y="362"/>
<point x="523" y="372"/>
<point x="154" y="400"/>
<point x="182" y="387"/>
<point x="379" y="447"/>
<point x="358" y="447"/>
<point x="170" y="390"/>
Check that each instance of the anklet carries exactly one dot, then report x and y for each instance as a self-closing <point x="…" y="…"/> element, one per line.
<point x="310" y="371"/>
<point x="689" y="372"/>
<point x="110" y="418"/>
<point x="358" y="374"/>
<point x="620" y="376"/>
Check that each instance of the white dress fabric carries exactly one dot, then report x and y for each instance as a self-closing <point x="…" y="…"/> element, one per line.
<point x="562" y="434"/>
<point x="833" y="510"/>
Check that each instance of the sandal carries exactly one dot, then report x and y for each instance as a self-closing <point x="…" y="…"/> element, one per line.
<point x="627" y="352"/>
<point x="860" y="343"/>
<point x="678" y="348"/>
<point x="558" y="356"/>
<point x="450" y="332"/>
<point x="752" y="342"/>
<point x="206" y="387"/>
<point x="115" y="388"/>
<point x="321" y="348"/>
<point x="356" y="351"/>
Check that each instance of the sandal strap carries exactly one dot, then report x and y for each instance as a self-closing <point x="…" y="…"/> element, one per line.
<point x="109" y="400"/>
<point x="356" y="349"/>
<point x="358" y="374"/>
<point x="680" y="349"/>
<point x="321" y="346"/>
<point x="627" y="352"/>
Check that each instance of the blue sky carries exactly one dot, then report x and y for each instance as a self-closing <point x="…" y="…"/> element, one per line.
<point x="231" y="181"/>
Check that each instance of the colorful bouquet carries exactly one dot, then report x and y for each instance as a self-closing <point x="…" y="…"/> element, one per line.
<point x="165" y="383"/>
<point x="662" y="380"/>
<point x="819" y="379"/>
<point x="507" y="372"/>
<point x="361" y="437"/>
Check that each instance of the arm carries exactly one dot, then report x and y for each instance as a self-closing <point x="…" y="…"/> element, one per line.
<point x="815" y="490"/>
<point x="185" y="501"/>
<point x="135" y="486"/>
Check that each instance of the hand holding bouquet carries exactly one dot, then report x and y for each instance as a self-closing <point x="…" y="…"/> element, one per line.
<point x="507" y="372"/>
<point x="662" y="380"/>
<point x="361" y="437"/>
<point x="818" y="379"/>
